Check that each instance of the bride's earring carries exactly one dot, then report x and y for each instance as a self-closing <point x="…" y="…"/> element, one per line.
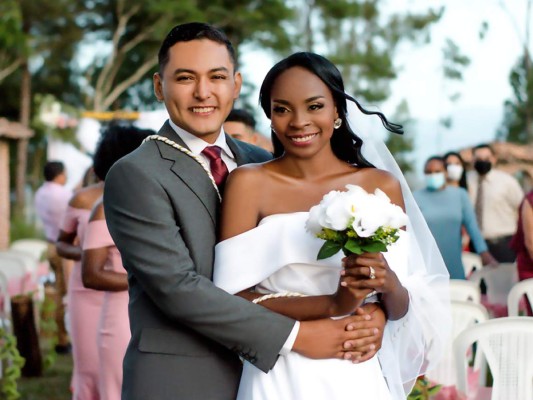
<point x="337" y="124"/>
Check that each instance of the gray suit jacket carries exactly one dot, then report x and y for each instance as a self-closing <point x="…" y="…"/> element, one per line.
<point x="162" y="212"/>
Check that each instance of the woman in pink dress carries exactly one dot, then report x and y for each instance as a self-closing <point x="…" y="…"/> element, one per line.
<point x="102" y="268"/>
<point x="83" y="305"/>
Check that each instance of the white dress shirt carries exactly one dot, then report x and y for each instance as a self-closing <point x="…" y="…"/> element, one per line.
<point x="197" y="145"/>
<point x="502" y="196"/>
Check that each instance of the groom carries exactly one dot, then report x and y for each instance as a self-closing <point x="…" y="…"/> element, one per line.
<point x="162" y="209"/>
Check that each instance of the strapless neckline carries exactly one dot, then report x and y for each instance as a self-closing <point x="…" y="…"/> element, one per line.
<point x="280" y="215"/>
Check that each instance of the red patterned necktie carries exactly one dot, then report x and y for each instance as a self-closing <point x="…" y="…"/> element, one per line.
<point x="219" y="170"/>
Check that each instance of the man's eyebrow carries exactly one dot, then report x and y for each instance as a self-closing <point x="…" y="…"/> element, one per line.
<point x="190" y="71"/>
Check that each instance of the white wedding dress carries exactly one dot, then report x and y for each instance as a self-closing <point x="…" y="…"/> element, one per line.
<point x="279" y="255"/>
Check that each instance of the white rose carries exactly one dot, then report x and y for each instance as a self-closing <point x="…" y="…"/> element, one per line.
<point x="313" y="221"/>
<point x="338" y="212"/>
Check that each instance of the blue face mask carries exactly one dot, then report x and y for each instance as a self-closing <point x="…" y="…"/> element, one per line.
<point x="435" y="181"/>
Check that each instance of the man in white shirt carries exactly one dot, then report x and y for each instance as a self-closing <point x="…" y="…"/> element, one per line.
<point x="51" y="202"/>
<point x="496" y="196"/>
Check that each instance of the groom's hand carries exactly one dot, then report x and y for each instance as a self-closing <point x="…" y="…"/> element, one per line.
<point x="328" y="338"/>
<point x="372" y="316"/>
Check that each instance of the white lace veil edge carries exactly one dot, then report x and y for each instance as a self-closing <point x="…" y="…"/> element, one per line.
<point x="429" y="318"/>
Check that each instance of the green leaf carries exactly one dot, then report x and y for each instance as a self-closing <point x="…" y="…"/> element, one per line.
<point x="434" y="390"/>
<point x="374" y="247"/>
<point x="328" y="249"/>
<point x="353" y="246"/>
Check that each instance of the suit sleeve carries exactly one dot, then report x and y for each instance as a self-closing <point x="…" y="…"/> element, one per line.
<point x="143" y="225"/>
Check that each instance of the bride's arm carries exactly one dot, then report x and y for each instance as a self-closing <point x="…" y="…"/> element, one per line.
<point x="395" y="297"/>
<point x="241" y="211"/>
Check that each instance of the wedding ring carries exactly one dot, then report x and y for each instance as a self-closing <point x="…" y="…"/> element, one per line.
<point x="372" y="273"/>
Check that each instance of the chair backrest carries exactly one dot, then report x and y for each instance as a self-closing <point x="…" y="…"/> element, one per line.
<point x="36" y="247"/>
<point x="471" y="262"/>
<point x="464" y="315"/>
<point x="507" y="345"/>
<point x="499" y="281"/>
<point x="461" y="290"/>
<point x="11" y="270"/>
<point x="520" y="289"/>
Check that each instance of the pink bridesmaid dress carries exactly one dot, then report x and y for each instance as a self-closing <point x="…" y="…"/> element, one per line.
<point x="84" y="307"/>
<point x="114" y="329"/>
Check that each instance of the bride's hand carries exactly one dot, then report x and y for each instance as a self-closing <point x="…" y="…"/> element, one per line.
<point x="369" y="271"/>
<point x="346" y="300"/>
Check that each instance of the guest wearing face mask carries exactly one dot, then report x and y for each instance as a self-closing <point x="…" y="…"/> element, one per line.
<point x="456" y="170"/>
<point x="446" y="209"/>
<point x="496" y="196"/>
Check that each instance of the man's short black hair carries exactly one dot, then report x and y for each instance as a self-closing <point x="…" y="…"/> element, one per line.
<point x="193" y="31"/>
<point x="53" y="169"/>
<point x="240" y="115"/>
<point x="483" y="146"/>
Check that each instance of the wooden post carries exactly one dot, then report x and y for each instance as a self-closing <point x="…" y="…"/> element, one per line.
<point x="4" y="194"/>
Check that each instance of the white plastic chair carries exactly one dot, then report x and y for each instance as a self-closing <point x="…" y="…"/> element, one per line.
<point x="520" y="289"/>
<point x="36" y="247"/>
<point x="499" y="281"/>
<point x="461" y="290"/>
<point x="10" y="269"/>
<point x="464" y="315"/>
<point x="30" y="263"/>
<point x="507" y="345"/>
<point x="471" y="262"/>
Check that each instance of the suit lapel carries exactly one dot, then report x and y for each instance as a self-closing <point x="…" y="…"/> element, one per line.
<point x="240" y="153"/>
<point x="189" y="171"/>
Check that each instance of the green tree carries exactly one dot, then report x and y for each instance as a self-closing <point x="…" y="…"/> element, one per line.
<point x="135" y="29"/>
<point x="401" y="146"/>
<point x="360" y="39"/>
<point x="517" y="125"/>
<point x="518" y="111"/>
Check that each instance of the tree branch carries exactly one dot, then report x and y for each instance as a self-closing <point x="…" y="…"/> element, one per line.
<point x="125" y="84"/>
<point x="5" y="72"/>
<point x="123" y="20"/>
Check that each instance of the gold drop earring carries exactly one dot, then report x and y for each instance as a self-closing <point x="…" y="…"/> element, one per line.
<point x="337" y="124"/>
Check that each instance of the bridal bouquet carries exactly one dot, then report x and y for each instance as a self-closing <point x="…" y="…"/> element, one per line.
<point x="355" y="221"/>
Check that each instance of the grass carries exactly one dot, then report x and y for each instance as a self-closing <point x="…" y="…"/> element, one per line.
<point x="53" y="385"/>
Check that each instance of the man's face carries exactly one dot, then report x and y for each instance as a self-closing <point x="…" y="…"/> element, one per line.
<point x="198" y="86"/>
<point x="240" y="131"/>
<point x="484" y="154"/>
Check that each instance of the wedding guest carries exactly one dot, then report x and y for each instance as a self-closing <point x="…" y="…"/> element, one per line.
<point x="269" y="258"/>
<point x="102" y="267"/>
<point x="455" y="170"/>
<point x="522" y="242"/>
<point x="446" y="209"/>
<point x="51" y="201"/>
<point x="496" y="196"/>
<point x="456" y="176"/>
<point x="240" y="124"/>
<point x="85" y="305"/>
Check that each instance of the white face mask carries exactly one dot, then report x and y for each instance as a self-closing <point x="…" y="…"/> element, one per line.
<point x="455" y="171"/>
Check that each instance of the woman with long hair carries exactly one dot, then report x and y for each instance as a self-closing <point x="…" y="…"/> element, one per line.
<point x="266" y="255"/>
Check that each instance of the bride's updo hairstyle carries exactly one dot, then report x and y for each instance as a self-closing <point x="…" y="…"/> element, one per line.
<point x="346" y="145"/>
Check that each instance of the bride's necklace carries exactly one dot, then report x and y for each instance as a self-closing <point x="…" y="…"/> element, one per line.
<point x="190" y="154"/>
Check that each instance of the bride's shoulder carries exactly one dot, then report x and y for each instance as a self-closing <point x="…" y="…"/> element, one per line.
<point x="246" y="174"/>
<point x="378" y="176"/>
<point x="375" y="178"/>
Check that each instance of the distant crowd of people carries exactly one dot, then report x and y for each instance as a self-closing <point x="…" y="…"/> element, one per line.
<point x="483" y="210"/>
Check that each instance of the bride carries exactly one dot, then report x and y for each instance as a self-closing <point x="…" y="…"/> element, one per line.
<point x="267" y="257"/>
